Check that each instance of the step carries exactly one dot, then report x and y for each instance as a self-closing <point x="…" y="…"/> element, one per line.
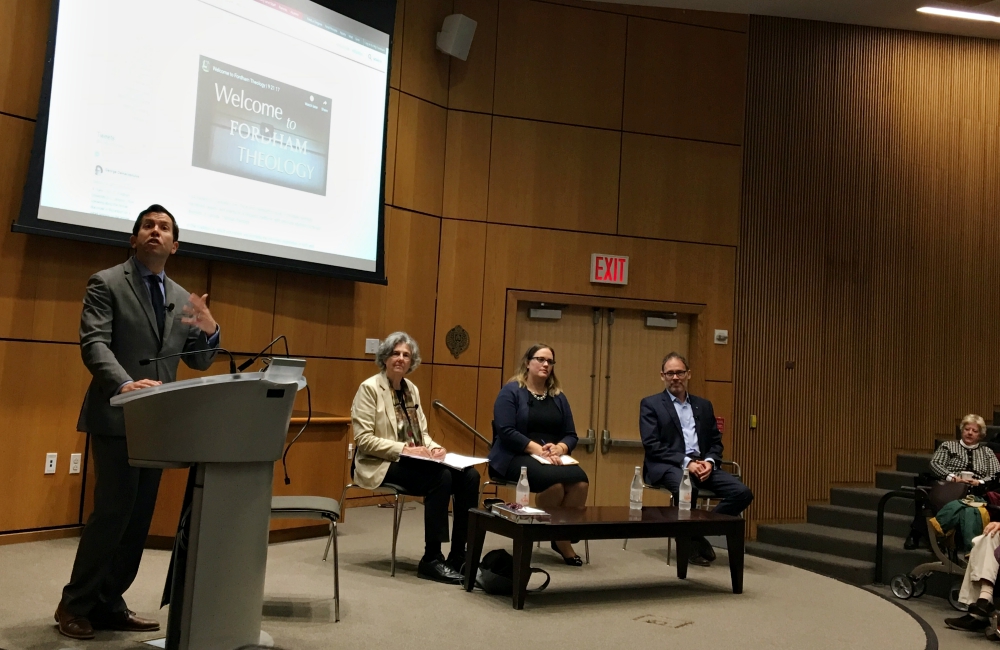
<point x="855" y="572"/>
<point x="896" y="525"/>
<point x="889" y="480"/>
<point x="915" y="463"/>
<point x="868" y="498"/>
<point x="844" y="542"/>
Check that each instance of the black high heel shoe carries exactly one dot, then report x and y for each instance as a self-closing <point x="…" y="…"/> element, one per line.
<point x="576" y="560"/>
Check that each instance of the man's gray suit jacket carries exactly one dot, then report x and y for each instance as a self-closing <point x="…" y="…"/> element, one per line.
<point x="117" y="329"/>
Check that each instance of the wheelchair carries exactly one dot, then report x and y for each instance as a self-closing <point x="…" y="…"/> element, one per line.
<point x="950" y="560"/>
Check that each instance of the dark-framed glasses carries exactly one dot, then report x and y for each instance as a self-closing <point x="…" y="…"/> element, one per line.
<point x="544" y="360"/>
<point x="674" y="374"/>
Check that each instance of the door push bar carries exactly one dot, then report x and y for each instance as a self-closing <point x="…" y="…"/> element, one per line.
<point x="607" y="442"/>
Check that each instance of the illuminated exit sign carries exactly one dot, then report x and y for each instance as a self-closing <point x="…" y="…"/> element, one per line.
<point x="608" y="269"/>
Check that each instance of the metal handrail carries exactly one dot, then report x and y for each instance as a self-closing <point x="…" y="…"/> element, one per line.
<point x="438" y="405"/>
<point x="880" y="526"/>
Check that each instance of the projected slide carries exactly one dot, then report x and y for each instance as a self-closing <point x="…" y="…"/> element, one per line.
<point x="258" y="123"/>
<point x="251" y="126"/>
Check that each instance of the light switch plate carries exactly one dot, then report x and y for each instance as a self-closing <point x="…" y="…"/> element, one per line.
<point x="50" y="463"/>
<point x="721" y="337"/>
<point x="371" y="346"/>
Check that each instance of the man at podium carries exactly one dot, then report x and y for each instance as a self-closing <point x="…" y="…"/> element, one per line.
<point x="131" y="311"/>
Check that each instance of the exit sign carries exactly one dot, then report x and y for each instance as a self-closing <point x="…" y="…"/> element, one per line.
<point x="608" y="269"/>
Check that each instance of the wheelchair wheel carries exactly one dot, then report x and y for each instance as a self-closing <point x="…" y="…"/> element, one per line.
<point x="919" y="586"/>
<point x="953" y="598"/>
<point x="902" y="586"/>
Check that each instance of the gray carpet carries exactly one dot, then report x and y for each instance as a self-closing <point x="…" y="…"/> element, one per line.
<point x="623" y="597"/>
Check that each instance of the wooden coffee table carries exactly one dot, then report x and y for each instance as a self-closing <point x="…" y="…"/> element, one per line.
<point x="604" y="522"/>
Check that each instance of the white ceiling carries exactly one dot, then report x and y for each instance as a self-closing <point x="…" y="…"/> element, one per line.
<point x="900" y="14"/>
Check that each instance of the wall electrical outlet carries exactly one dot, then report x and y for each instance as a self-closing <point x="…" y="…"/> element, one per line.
<point x="371" y="346"/>
<point x="75" y="460"/>
<point x="50" y="463"/>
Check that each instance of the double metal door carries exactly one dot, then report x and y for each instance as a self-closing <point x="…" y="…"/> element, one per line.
<point x="607" y="360"/>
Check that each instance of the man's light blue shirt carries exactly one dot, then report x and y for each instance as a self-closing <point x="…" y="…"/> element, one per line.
<point x="686" y="417"/>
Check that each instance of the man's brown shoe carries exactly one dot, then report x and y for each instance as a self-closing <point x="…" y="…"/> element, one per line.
<point x="73" y="626"/>
<point x="126" y="621"/>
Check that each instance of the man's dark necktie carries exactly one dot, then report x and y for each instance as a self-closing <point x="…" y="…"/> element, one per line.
<point x="156" y="296"/>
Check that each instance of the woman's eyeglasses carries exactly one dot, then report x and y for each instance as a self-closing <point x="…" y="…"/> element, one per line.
<point x="544" y="360"/>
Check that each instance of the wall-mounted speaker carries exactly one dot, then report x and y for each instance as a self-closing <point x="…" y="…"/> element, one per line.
<point x="455" y="37"/>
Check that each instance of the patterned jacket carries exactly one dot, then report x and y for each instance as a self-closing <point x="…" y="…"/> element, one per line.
<point x="953" y="457"/>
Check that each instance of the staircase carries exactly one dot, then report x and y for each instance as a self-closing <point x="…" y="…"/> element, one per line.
<point x="838" y="540"/>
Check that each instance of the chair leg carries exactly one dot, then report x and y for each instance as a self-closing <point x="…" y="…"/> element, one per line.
<point x="670" y="543"/>
<point x="397" y="515"/>
<point x="336" y="574"/>
<point x="586" y="550"/>
<point x="329" y="540"/>
<point x="624" y="543"/>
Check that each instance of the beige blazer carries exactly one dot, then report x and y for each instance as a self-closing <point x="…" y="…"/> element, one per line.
<point x="373" y="418"/>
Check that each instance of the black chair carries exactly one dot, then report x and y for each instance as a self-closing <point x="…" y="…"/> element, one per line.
<point x="385" y="489"/>
<point x="307" y="507"/>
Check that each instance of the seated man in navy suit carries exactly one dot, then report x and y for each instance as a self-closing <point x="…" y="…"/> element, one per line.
<point x="679" y="431"/>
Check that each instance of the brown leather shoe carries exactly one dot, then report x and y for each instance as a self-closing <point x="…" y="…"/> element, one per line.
<point x="73" y="626"/>
<point x="126" y="621"/>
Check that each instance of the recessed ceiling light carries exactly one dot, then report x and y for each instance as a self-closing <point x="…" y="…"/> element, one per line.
<point x="953" y="13"/>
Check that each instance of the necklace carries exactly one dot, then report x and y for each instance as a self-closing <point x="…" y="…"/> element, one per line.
<point x="538" y="397"/>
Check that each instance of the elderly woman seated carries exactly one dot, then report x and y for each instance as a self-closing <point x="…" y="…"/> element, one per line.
<point x="393" y="446"/>
<point x="966" y="460"/>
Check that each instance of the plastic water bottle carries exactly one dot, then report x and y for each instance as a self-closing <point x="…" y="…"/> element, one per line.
<point x="523" y="492"/>
<point x="635" y="492"/>
<point x="684" y="503"/>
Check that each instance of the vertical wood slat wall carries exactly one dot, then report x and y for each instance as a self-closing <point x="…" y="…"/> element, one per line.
<point x="454" y="244"/>
<point x="869" y="252"/>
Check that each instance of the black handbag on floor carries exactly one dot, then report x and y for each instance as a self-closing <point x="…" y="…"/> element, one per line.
<point x="496" y="574"/>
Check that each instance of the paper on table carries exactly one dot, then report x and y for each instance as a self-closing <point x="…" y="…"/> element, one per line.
<point x="566" y="460"/>
<point x="458" y="461"/>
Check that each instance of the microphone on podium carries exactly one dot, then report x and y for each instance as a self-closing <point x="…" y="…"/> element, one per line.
<point x="232" y="359"/>
<point x="249" y="362"/>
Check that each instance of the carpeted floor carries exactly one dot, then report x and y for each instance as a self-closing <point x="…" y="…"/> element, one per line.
<point x="622" y="598"/>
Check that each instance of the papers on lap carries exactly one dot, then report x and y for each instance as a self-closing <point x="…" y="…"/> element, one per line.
<point x="458" y="461"/>
<point x="566" y="460"/>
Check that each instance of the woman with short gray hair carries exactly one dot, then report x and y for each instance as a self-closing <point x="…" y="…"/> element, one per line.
<point x="386" y="348"/>
<point x="394" y="447"/>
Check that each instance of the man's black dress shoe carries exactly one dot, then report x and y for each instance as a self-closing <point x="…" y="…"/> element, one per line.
<point x="126" y="621"/>
<point x="456" y="562"/>
<point x="698" y="560"/>
<point x="911" y="542"/>
<point x="705" y="549"/>
<point x="438" y="571"/>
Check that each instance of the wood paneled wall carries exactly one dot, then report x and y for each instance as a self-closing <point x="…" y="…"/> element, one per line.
<point x="556" y="139"/>
<point x="869" y="252"/>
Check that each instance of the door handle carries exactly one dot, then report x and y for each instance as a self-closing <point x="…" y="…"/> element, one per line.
<point x="589" y="441"/>
<point x="607" y="442"/>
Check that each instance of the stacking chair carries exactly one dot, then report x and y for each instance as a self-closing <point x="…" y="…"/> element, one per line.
<point x="705" y="497"/>
<point x="670" y="496"/>
<point x="314" y="508"/>
<point x="397" y="509"/>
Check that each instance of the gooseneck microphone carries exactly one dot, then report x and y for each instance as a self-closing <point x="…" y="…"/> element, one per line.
<point x="249" y="362"/>
<point x="232" y="359"/>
